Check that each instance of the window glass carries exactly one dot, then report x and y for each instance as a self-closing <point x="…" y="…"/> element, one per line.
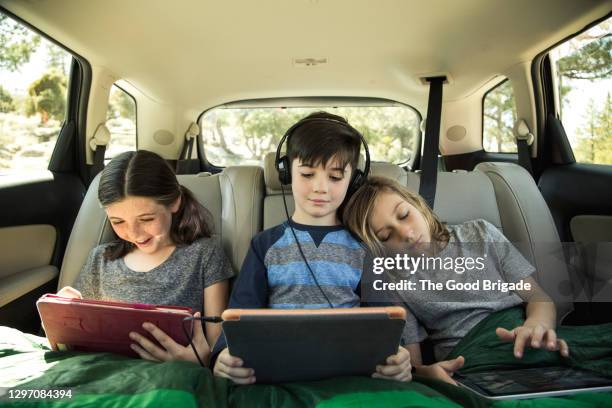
<point x="583" y="68"/>
<point x="33" y="96"/>
<point x="121" y="122"/>
<point x="244" y="135"/>
<point x="499" y="117"/>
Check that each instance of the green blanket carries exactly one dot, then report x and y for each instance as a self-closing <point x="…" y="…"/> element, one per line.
<point x="590" y="349"/>
<point x="106" y="380"/>
<point x="590" y="346"/>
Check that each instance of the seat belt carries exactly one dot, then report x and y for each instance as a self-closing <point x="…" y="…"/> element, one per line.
<point x="184" y="162"/>
<point x="524" y="139"/>
<point x="429" y="163"/>
<point x="98" y="144"/>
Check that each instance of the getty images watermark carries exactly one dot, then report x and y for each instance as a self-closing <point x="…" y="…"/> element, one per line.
<point x="467" y="271"/>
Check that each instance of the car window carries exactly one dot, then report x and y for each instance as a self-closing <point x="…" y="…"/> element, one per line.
<point x="121" y="123"/>
<point x="583" y="68"/>
<point x="244" y="135"/>
<point x="33" y="95"/>
<point x="499" y="116"/>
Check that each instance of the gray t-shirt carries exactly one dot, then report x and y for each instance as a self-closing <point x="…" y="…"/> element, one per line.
<point x="446" y="317"/>
<point x="178" y="281"/>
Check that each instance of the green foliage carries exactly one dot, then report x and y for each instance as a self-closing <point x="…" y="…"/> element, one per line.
<point x="120" y="104"/>
<point x="6" y="101"/>
<point x="17" y="44"/>
<point x="48" y="96"/>
<point x="57" y="59"/>
<point x="595" y="140"/>
<point x="391" y="132"/>
<point x="593" y="61"/>
<point x="590" y="60"/>
<point x="263" y="128"/>
<point x="235" y="136"/>
<point x="499" y="119"/>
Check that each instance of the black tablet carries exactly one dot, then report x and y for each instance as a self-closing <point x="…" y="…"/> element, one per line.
<point x="306" y="344"/>
<point x="533" y="382"/>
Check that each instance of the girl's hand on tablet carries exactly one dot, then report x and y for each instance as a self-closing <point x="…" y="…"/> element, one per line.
<point x="398" y="367"/>
<point x="442" y="370"/>
<point x="228" y="366"/>
<point x="535" y="336"/>
<point x="69" y="292"/>
<point x="170" y="350"/>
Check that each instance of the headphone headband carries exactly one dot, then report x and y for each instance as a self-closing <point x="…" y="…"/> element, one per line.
<point x="282" y="163"/>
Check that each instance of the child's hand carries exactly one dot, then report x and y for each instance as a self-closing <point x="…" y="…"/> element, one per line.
<point x="534" y="335"/>
<point x="69" y="292"/>
<point x="442" y="370"/>
<point x="171" y="350"/>
<point x="230" y="367"/>
<point x="397" y="368"/>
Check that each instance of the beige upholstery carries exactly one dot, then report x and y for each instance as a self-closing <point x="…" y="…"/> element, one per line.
<point x="25" y="257"/>
<point x="14" y="286"/>
<point x="90" y="229"/>
<point x="454" y="203"/>
<point x="526" y="217"/>
<point x="233" y="198"/>
<point x="25" y="247"/>
<point x="505" y="195"/>
<point x="459" y="196"/>
<point x="465" y="196"/>
<point x="591" y="228"/>
<point x="273" y="208"/>
<point x="242" y="190"/>
<point x="271" y="175"/>
<point x="391" y="171"/>
<point x="527" y="221"/>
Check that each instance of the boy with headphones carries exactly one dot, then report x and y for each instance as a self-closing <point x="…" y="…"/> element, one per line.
<point x="310" y="261"/>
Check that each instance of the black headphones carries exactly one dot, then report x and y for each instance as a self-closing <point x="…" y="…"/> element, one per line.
<point x="283" y="165"/>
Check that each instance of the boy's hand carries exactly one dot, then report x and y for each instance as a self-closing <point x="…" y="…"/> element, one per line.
<point x="228" y="366"/>
<point x="397" y="368"/>
<point x="69" y="292"/>
<point x="170" y="350"/>
<point x="534" y="335"/>
<point x="442" y="370"/>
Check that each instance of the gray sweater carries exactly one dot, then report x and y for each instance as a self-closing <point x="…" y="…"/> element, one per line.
<point x="445" y="317"/>
<point x="178" y="281"/>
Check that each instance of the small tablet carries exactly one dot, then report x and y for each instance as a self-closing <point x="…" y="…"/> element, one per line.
<point x="307" y="344"/>
<point x="533" y="382"/>
<point x="98" y="326"/>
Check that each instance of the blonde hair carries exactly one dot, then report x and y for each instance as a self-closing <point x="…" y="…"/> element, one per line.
<point x="358" y="211"/>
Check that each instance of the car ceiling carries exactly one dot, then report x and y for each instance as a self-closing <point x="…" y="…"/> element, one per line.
<point x="197" y="54"/>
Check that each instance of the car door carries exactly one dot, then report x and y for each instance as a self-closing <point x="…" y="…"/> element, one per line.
<point x="42" y="175"/>
<point x="576" y="172"/>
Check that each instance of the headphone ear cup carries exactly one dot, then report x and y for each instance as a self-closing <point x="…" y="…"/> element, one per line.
<point x="356" y="182"/>
<point x="284" y="172"/>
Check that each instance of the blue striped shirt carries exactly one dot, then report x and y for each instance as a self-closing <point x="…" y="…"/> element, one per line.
<point x="274" y="274"/>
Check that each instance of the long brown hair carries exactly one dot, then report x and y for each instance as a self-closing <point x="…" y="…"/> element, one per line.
<point x="358" y="211"/>
<point x="146" y="174"/>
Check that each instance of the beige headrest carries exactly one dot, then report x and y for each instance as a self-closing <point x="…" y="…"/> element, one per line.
<point x="271" y="174"/>
<point x="389" y="170"/>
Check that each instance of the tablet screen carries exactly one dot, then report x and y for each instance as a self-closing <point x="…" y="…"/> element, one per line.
<point x="531" y="380"/>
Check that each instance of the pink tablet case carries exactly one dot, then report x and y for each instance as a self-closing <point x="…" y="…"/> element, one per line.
<point x="97" y="326"/>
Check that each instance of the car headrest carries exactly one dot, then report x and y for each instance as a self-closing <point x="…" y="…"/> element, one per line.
<point x="273" y="185"/>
